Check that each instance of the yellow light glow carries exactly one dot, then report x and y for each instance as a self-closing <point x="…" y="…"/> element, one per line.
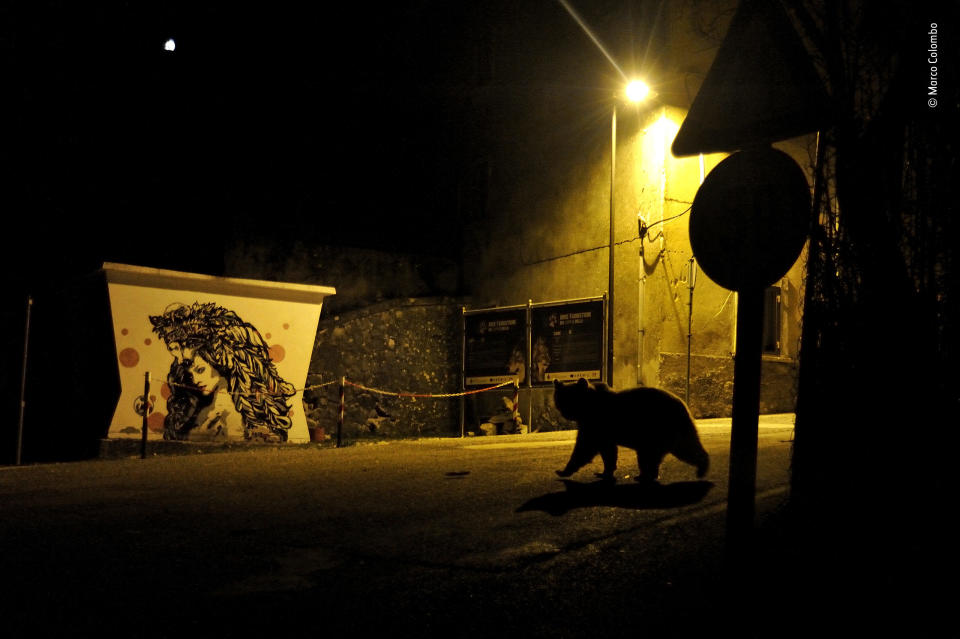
<point x="665" y="128"/>
<point x="637" y="91"/>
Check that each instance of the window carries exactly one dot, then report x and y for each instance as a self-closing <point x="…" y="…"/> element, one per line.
<point x="771" y="321"/>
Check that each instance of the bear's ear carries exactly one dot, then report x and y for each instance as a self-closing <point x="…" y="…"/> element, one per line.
<point x="556" y="383"/>
<point x="582" y="383"/>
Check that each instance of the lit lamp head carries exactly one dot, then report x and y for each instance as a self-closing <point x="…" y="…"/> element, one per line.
<point x="637" y="91"/>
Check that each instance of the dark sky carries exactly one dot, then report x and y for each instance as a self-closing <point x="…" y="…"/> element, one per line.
<point x="355" y="125"/>
<point x="265" y="120"/>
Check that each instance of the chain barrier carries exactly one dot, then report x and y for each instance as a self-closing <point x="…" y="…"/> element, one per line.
<point x="254" y="393"/>
<point x="355" y="385"/>
<point x="425" y="395"/>
<point x="344" y="382"/>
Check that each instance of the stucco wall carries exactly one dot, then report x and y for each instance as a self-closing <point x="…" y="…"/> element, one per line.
<point x="227" y="357"/>
<point x="550" y="242"/>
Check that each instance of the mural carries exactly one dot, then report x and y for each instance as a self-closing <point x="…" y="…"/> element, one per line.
<point x="227" y="358"/>
<point x="222" y="381"/>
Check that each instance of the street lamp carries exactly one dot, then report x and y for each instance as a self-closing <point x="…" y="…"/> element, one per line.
<point x="635" y="92"/>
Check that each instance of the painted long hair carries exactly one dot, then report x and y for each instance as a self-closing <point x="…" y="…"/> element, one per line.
<point x="239" y="354"/>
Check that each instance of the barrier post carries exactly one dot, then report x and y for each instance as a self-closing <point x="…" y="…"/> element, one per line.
<point x="463" y="371"/>
<point x="146" y="413"/>
<point x="23" y="380"/>
<point x="343" y="383"/>
<point x="529" y="369"/>
<point x="516" y="401"/>
<point x="691" y="282"/>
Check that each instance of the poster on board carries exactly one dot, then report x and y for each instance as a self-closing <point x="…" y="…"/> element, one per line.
<point x="567" y="341"/>
<point x="495" y="343"/>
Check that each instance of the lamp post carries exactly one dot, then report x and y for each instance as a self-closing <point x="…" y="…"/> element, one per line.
<point x="636" y="92"/>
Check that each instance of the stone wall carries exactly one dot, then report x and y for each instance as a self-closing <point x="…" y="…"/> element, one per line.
<point x="711" y="383"/>
<point x="414" y="346"/>
<point x="410" y="345"/>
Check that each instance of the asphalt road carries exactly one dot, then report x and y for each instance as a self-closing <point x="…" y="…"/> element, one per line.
<point x="440" y="537"/>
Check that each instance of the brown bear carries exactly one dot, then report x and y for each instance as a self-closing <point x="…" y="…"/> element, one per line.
<point x="651" y="421"/>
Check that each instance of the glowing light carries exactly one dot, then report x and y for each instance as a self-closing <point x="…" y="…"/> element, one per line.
<point x="592" y="36"/>
<point x="170" y="45"/>
<point x="637" y="91"/>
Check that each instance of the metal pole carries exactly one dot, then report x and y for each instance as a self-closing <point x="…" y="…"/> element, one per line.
<point x="515" y="413"/>
<point x="343" y="383"/>
<point x="641" y="325"/>
<point x="613" y="170"/>
<point x="743" y="432"/>
<point x="146" y="413"/>
<point x="23" y="380"/>
<point x="691" y="282"/>
<point x="463" y="371"/>
<point x="529" y="368"/>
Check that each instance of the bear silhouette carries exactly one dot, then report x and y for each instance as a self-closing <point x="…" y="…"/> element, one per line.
<point x="651" y="421"/>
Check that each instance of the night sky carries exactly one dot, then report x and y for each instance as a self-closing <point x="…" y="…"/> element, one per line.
<point x="352" y="126"/>
<point x="326" y="123"/>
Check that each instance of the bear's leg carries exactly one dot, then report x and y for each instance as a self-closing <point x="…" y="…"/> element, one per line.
<point x="608" y="453"/>
<point x="583" y="453"/>
<point x="691" y="451"/>
<point x="649" y="464"/>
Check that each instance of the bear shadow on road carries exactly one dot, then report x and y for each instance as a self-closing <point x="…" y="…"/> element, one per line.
<point x="633" y="495"/>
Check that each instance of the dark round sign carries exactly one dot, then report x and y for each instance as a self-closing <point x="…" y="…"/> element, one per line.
<point x="750" y="219"/>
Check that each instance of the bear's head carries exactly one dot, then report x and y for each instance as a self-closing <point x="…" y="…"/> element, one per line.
<point x="574" y="400"/>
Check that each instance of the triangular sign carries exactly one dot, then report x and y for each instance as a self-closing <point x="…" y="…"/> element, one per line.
<point x="762" y="87"/>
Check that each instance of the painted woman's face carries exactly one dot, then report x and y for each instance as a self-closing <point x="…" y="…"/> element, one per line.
<point x="205" y="377"/>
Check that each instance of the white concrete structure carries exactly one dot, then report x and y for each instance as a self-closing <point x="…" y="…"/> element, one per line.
<point x="258" y="335"/>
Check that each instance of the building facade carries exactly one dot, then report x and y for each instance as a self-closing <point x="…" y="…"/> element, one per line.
<point x="551" y="242"/>
<point x="563" y="153"/>
<point x="547" y="151"/>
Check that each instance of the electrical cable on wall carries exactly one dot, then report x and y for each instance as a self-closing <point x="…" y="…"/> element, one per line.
<point x="644" y="228"/>
<point x="640" y="236"/>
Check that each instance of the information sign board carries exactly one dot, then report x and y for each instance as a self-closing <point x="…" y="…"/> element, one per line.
<point x="495" y="346"/>
<point x="567" y="341"/>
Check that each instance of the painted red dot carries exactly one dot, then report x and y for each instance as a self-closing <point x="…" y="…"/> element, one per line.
<point x="129" y="357"/>
<point x="155" y="422"/>
<point x="277" y="353"/>
<point x="286" y="326"/>
<point x="124" y="332"/>
<point x="267" y="336"/>
<point x="148" y="341"/>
